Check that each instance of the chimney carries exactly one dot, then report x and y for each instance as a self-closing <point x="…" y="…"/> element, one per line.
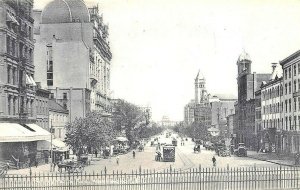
<point x="274" y="65"/>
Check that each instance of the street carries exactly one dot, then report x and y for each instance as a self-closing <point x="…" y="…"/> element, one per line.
<point x="185" y="159"/>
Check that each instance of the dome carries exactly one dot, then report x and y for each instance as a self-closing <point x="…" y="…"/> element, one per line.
<point x="244" y="56"/>
<point x="64" y="11"/>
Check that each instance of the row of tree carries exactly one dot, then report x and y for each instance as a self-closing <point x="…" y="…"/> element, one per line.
<point x="97" y="130"/>
<point x="196" y="130"/>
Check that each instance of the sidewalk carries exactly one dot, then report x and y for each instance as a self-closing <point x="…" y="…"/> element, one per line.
<point x="273" y="158"/>
<point x="45" y="168"/>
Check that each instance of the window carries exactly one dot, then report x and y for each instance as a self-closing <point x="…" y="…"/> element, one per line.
<point x="290" y="105"/>
<point x="8" y="105"/>
<point x="285" y="88"/>
<point x="8" y="74"/>
<point x="8" y="48"/>
<point x="14" y="76"/>
<point x="295" y="104"/>
<point x="295" y="86"/>
<point x="285" y="74"/>
<point x="49" y="66"/>
<point x="298" y="123"/>
<point x="298" y="68"/>
<point x="14" y="105"/>
<point x="295" y="70"/>
<point x="295" y="123"/>
<point x="65" y="96"/>
<point x="286" y="105"/>
<point x="290" y="119"/>
<point x="290" y="72"/>
<point x="51" y="96"/>
<point x="290" y="87"/>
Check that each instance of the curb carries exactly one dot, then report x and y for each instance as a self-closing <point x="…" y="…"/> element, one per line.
<point x="282" y="164"/>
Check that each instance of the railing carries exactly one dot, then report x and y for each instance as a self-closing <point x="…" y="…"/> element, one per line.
<point x="198" y="178"/>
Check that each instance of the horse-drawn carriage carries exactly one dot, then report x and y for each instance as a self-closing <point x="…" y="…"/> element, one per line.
<point x="3" y="169"/>
<point x="197" y="148"/>
<point x="141" y="148"/>
<point x="70" y="166"/>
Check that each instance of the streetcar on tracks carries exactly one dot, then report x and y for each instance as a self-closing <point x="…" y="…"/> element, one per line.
<point x="166" y="154"/>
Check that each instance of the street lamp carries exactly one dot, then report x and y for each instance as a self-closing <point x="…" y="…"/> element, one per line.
<point x="51" y="150"/>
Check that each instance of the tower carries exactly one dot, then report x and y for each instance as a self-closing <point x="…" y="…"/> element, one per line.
<point x="244" y="63"/>
<point x="200" y="91"/>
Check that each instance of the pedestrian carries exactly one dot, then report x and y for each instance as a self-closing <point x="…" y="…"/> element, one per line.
<point x="36" y="163"/>
<point x="133" y="154"/>
<point x="214" y="160"/>
<point x="96" y="153"/>
<point x="117" y="159"/>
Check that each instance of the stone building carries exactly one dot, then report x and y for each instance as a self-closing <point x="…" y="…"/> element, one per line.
<point x="19" y="135"/>
<point x="290" y="129"/>
<point x="72" y="55"/>
<point x="248" y="84"/>
<point x="42" y="108"/>
<point x="202" y="110"/>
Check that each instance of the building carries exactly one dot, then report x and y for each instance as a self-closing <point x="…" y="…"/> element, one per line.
<point x="290" y="122"/>
<point x="229" y="125"/>
<point x="166" y="122"/>
<point x="271" y="112"/>
<point x="73" y="38"/>
<point x="20" y="136"/>
<point x="202" y="110"/>
<point x="221" y="107"/>
<point x="42" y="108"/>
<point x="17" y="91"/>
<point x="189" y="112"/>
<point x="59" y="117"/>
<point x="248" y="84"/>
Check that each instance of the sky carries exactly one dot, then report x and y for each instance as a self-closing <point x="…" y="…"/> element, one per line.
<point x="159" y="46"/>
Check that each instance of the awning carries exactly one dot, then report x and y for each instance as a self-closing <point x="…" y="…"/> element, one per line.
<point x="32" y="81"/>
<point x="123" y="139"/>
<point x="57" y="145"/>
<point x="14" y="132"/>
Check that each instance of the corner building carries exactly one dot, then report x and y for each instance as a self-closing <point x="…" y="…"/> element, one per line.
<point x="290" y="135"/>
<point x="248" y="84"/>
<point x="72" y="56"/>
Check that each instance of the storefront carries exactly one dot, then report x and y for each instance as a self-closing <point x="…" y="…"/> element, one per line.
<point x="18" y="143"/>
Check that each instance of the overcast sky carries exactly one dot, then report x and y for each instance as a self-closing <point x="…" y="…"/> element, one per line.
<point x="159" y="46"/>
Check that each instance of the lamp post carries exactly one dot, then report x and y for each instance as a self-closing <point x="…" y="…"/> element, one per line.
<point x="51" y="150"/>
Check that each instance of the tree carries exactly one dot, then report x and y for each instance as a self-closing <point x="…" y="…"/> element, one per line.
<point x="93" y="131"/>
<point x="134" y="121"/>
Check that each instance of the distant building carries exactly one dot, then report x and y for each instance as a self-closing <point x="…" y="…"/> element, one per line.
<point x="166" y="122"/>
<point x="202" y="110"/>
<point x="248" y="84"/>
<point x="72" y="56"/>
<point x="221" y="107"/>
<point x="189" y="112"/>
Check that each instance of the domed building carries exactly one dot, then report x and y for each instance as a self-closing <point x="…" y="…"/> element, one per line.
<point x="72" y="56"/>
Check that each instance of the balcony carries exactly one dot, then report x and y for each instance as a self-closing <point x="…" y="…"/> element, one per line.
<point x="296" y="94"/>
